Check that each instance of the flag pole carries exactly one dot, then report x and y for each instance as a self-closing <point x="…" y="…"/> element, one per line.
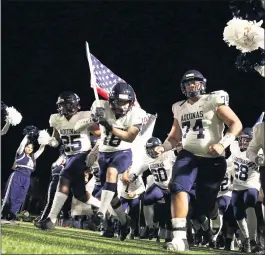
<point x="93" y="79"/>
<point x="92" y="75"/>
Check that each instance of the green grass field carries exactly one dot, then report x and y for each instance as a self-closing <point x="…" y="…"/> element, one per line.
<point x="26" y="239"/>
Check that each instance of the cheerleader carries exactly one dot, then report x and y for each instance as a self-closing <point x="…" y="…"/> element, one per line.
<point x="25" y="163"/>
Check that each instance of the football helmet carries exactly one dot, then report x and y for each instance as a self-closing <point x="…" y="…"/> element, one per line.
<point x="150" y="145"/>
<point x="245" y="137"/>
<point x="193" y="83"/>
<point x="121" y="98"/>
<point x="68" y="103"/>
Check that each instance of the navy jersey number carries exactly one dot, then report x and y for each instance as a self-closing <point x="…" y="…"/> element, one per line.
<point x="71" y="143"/>
<point x="112" y="140"/>
<point x="160" y="174"/>
<point x="197" y="127"/>
<point x="241" y="171"/>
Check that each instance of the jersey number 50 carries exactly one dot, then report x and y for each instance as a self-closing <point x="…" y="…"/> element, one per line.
<point x="71" y="143"/>
<point x="197" y="127"/>
<point x="160" y="174"/>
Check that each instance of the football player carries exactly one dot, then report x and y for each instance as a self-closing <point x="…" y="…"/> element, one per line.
<point x="129" y="196"/>
<point x="121" y="122"/>
<point x="56" y="168"/>
<point x="199" y="123"/>
<point x="161" y="169"/>
<point x="246" y="186"/>
<point x="76" y="146"/>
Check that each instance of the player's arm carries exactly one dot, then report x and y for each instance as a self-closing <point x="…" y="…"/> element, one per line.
<point x="93" y="155"/>
<point x="226" y="114"/>
<point x="256" y="144"/>
<point x="5" y="128"/>
<point x="173" y="138"/>
<point x="95" y="130"/>
<point x="127" y="135"/>
<point x="55" y="138"/>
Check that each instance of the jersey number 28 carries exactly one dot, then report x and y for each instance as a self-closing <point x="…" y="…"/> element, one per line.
<point x="241" y="171"/>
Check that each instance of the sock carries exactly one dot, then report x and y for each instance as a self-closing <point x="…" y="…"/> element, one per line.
<point x="168" y="234"/>
<point x="205" y="224"/>
<point x="149" y="215"/>
<point x="58" y="202"/>
<point x="132" y="230"/>
<point x="196" y="224"/>
<point x="243" y="227"/>
<point x="93" y="201"/>
<point x="162" y="233"/>
<point x="219" y="221"/>
<point x="252" y="223"/>
<point x="179" y="228"/>
<point x="107" y="195"/>
<point x="120" y="213"/>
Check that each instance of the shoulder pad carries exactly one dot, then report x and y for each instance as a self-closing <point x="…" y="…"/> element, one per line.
<point x="102" y="103"/>
<point x="53" y="120"/>
<point x="221" y="97"/>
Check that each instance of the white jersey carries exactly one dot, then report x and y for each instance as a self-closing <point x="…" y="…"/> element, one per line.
<point x="137" y="185"/>
<point x="95" y="172"/>
<point x="199" y="123"/>
<point x="161" y="169"/>
<point x="74" y="141"/>
<point x="246" y="173"/>
<point x="110" y="142"/>
<point x="226" y="185"/>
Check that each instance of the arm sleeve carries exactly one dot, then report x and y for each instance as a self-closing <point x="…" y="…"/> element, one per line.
<point x="256" y="143"/>
<point x="5" y="128"/>
<point x="93" y="155"/>
<point x="22" y="145"/>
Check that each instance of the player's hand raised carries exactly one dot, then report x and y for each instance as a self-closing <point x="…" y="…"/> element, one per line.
<point x="216" y="150"/>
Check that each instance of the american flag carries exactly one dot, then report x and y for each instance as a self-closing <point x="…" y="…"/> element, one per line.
<point x="105" y="79"/>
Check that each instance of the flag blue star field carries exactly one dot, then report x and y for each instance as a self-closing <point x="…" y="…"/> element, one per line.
<point x="105" y="79"/>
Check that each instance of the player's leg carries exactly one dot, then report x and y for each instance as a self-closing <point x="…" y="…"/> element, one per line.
<point x="183" y="177"/>
<point x="240" y="216"/>
<point x="210" y="176"/>
<point x="63" y="187"/>
<point x="134" y="205"/>
<point x="110" y="167"/>
<point x="217" y="223"/>
<point x="151" y="196"/>
<point x="250" y="200"/>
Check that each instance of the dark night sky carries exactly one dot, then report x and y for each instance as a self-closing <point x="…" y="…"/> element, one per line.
<point x="150" y="45"/>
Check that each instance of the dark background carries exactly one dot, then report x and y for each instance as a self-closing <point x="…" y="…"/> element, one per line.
<point x="148" y="44"/>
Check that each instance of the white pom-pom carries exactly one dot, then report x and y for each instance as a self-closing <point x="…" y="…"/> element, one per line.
<point x="245" y="35"/>
<point x="13" y="116"/>
<point x="260" y="70"/>
<point x="44" y="137"/>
